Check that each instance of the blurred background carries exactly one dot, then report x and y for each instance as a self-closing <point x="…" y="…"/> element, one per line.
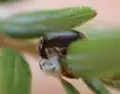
<point x="108" y="16"/>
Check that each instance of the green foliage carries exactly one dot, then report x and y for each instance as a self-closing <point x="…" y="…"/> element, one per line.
<point x="97" y="57"/>
<point x="69" y="88"/>
<point x="4" y="0"/>
<point x="15" y="75"/>
<point x="35" y="24"/>
<point x="7" y="1"/>
<point x="96" y="85"/>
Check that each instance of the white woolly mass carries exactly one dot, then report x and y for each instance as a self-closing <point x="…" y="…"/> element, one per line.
<point x="51" y="66"/>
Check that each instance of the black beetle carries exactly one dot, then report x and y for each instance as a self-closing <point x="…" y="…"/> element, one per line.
<point x="58" y="41"/>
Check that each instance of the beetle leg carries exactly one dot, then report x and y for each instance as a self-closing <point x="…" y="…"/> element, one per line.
<point x="40" y="63"/>
<point x="38" y="47"/>
<point x="96" y="86"/>
<point x="57" y="50"/>
<point x="47" y="52"/>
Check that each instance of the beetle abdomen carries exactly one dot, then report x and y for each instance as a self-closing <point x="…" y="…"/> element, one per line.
<point x="62" y="38"/>
<point x="58" y="41"/>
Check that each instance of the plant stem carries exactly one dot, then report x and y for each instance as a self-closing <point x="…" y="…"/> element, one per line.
<point x="68" y="87"/>
<point x="17" y="44"/>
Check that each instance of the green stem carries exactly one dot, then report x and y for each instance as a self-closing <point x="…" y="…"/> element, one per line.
<point x="17" y="44"/>
<point x="96" y="86"/>
<point x="68" y="87"/>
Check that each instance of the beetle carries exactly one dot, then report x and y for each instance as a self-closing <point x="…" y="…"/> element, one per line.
<point x="57" y="41"/>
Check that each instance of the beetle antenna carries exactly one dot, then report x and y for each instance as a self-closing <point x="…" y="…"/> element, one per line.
<point x="40" y="63"/>
<point x="47" y="52"/>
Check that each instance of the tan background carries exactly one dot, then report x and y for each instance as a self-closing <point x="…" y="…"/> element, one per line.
<point x="108" y="15"/>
